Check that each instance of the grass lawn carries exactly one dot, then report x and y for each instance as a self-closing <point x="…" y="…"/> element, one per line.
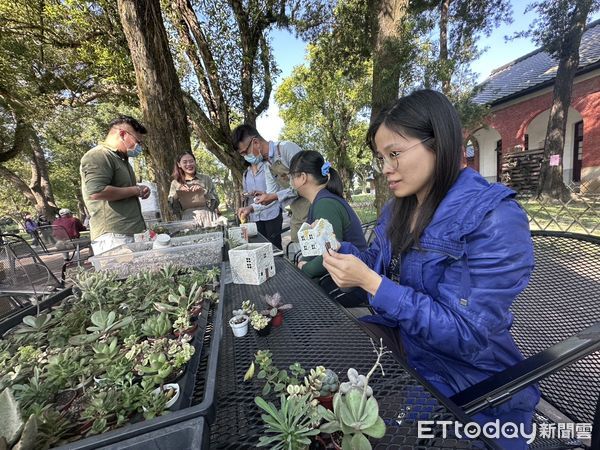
<point x="577" y="217"/>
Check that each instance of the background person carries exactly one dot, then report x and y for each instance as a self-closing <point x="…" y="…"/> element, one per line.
<point x="65" y="228"/>
<point x="254" y="148"/>
<point x="108" y="185"/>
<point x="72" y="225"/>
<point x="320" y="184"/>
<point x="450" y="255"/>
<point x="268" y="218"/>
<point x="31" y="229"/>
<point x="192" y="195"/>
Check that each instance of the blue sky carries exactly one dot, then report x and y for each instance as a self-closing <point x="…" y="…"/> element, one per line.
<point x="290" y="51"/>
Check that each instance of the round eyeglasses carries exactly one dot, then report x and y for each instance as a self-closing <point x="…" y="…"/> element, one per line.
<point x="393" y="158"/>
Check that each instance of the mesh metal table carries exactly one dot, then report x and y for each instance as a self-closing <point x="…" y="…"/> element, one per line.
<point x="562" y="299"/>
<point x="319" y="332"/>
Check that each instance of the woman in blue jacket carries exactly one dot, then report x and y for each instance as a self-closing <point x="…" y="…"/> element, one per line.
<point x="451" y="253"/>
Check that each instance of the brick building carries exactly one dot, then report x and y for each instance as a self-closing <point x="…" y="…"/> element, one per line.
<point x="520" y="96"/>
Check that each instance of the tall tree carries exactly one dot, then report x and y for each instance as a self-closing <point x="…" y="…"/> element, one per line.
<point x="460" y="24"/>
<point x="52" y="54"/>
<point x="323" y="109"/>
<point x="387" y="43"/>
<point x="227" y="63"/>
<point x="558" y="30"/>
<point x="159" y="92"/>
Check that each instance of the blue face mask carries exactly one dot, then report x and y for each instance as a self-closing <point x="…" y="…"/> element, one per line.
<point x="137" y="151"/>
<point x="253" y="159"/>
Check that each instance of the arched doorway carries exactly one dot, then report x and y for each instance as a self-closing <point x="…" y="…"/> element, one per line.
<point x="535" y="136"/>
<point x="489" y="143"/>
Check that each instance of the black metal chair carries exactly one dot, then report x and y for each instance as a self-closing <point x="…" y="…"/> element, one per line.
<point x="55" y="239"/>
<point x="557" y="327"/>
<point x="22" y="271"/>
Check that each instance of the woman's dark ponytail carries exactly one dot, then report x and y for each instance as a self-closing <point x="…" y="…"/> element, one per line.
<point x="311" y="162"/>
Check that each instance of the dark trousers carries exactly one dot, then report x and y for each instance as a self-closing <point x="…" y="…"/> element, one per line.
<point x="271" y="229"/>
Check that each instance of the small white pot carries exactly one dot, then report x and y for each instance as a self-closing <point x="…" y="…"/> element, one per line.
<point x="167" y="387"/>
<point x="250" y="228"/>
<point x="239" y="329"/>
<point x="162" y="241"/>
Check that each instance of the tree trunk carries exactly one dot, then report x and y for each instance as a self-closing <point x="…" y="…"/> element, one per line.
<point x="551" y="176"/>
<point x="445" y="75"/>
<point x="159" y="91"/>
<point x="388" y="16"/>
<point x="39" y="191"/>
<point x="19" y="185"/>
<point x="40" y="181"/>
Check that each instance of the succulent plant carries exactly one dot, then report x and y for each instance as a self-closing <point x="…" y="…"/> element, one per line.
<point x="259" y="321"/>
<point x="157" y="326"/>
<point x="356" y="381"/>
<point x="33" y="324"/>
<point x="275" y="304"/>
<point x="330" y="383"/>
<point x="355" y="410"/>
<point x="157" y="368"/>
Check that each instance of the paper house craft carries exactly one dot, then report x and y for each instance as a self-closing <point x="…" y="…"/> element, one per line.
<point x="252" y="263"/>
<point x="312" y="238"/>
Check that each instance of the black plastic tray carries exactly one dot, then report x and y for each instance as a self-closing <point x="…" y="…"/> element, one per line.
<point x="178" y="423"/>
<point x="13" y="320"/>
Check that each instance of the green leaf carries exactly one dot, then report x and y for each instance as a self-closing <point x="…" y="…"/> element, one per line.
<point x="377" y="430"/>
<point x="268" y="407"/>
<point x="271" y="421"/>
<point x="370" y="413"/>
<point x="353" y="400"/>
<point x="261" y="374"/>
<point x="330" y="427"/>
<point x="360" y="442"/>
<point x="11" y="423"/>
<point x="264" y="441"/>
<point x="347" y="442"/>
<point x="266" y="389"/>
<point x="250" y="372"/>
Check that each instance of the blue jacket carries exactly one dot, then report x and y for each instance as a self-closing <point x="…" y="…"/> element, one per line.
<point x="451" y="307"/>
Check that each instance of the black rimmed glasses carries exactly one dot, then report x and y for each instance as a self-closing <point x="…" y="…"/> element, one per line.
<point x="245" y="151"/>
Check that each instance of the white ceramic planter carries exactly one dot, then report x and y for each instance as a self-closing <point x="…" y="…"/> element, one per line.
<point x="239" y="329"/>
<point x="167" y="387"/>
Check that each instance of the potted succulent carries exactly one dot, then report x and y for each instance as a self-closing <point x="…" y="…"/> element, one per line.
<point x="355" y="410"/>
<point x="302" y="417"/>
<point x="170" y="391"/>
<point x="329" y="386"/>
<point x="239" y="323"/>
<point x="261" y="323"/>
<point x="276" y="308"/>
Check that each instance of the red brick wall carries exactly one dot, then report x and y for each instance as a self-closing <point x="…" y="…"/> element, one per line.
<point x="512" y="121"/>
